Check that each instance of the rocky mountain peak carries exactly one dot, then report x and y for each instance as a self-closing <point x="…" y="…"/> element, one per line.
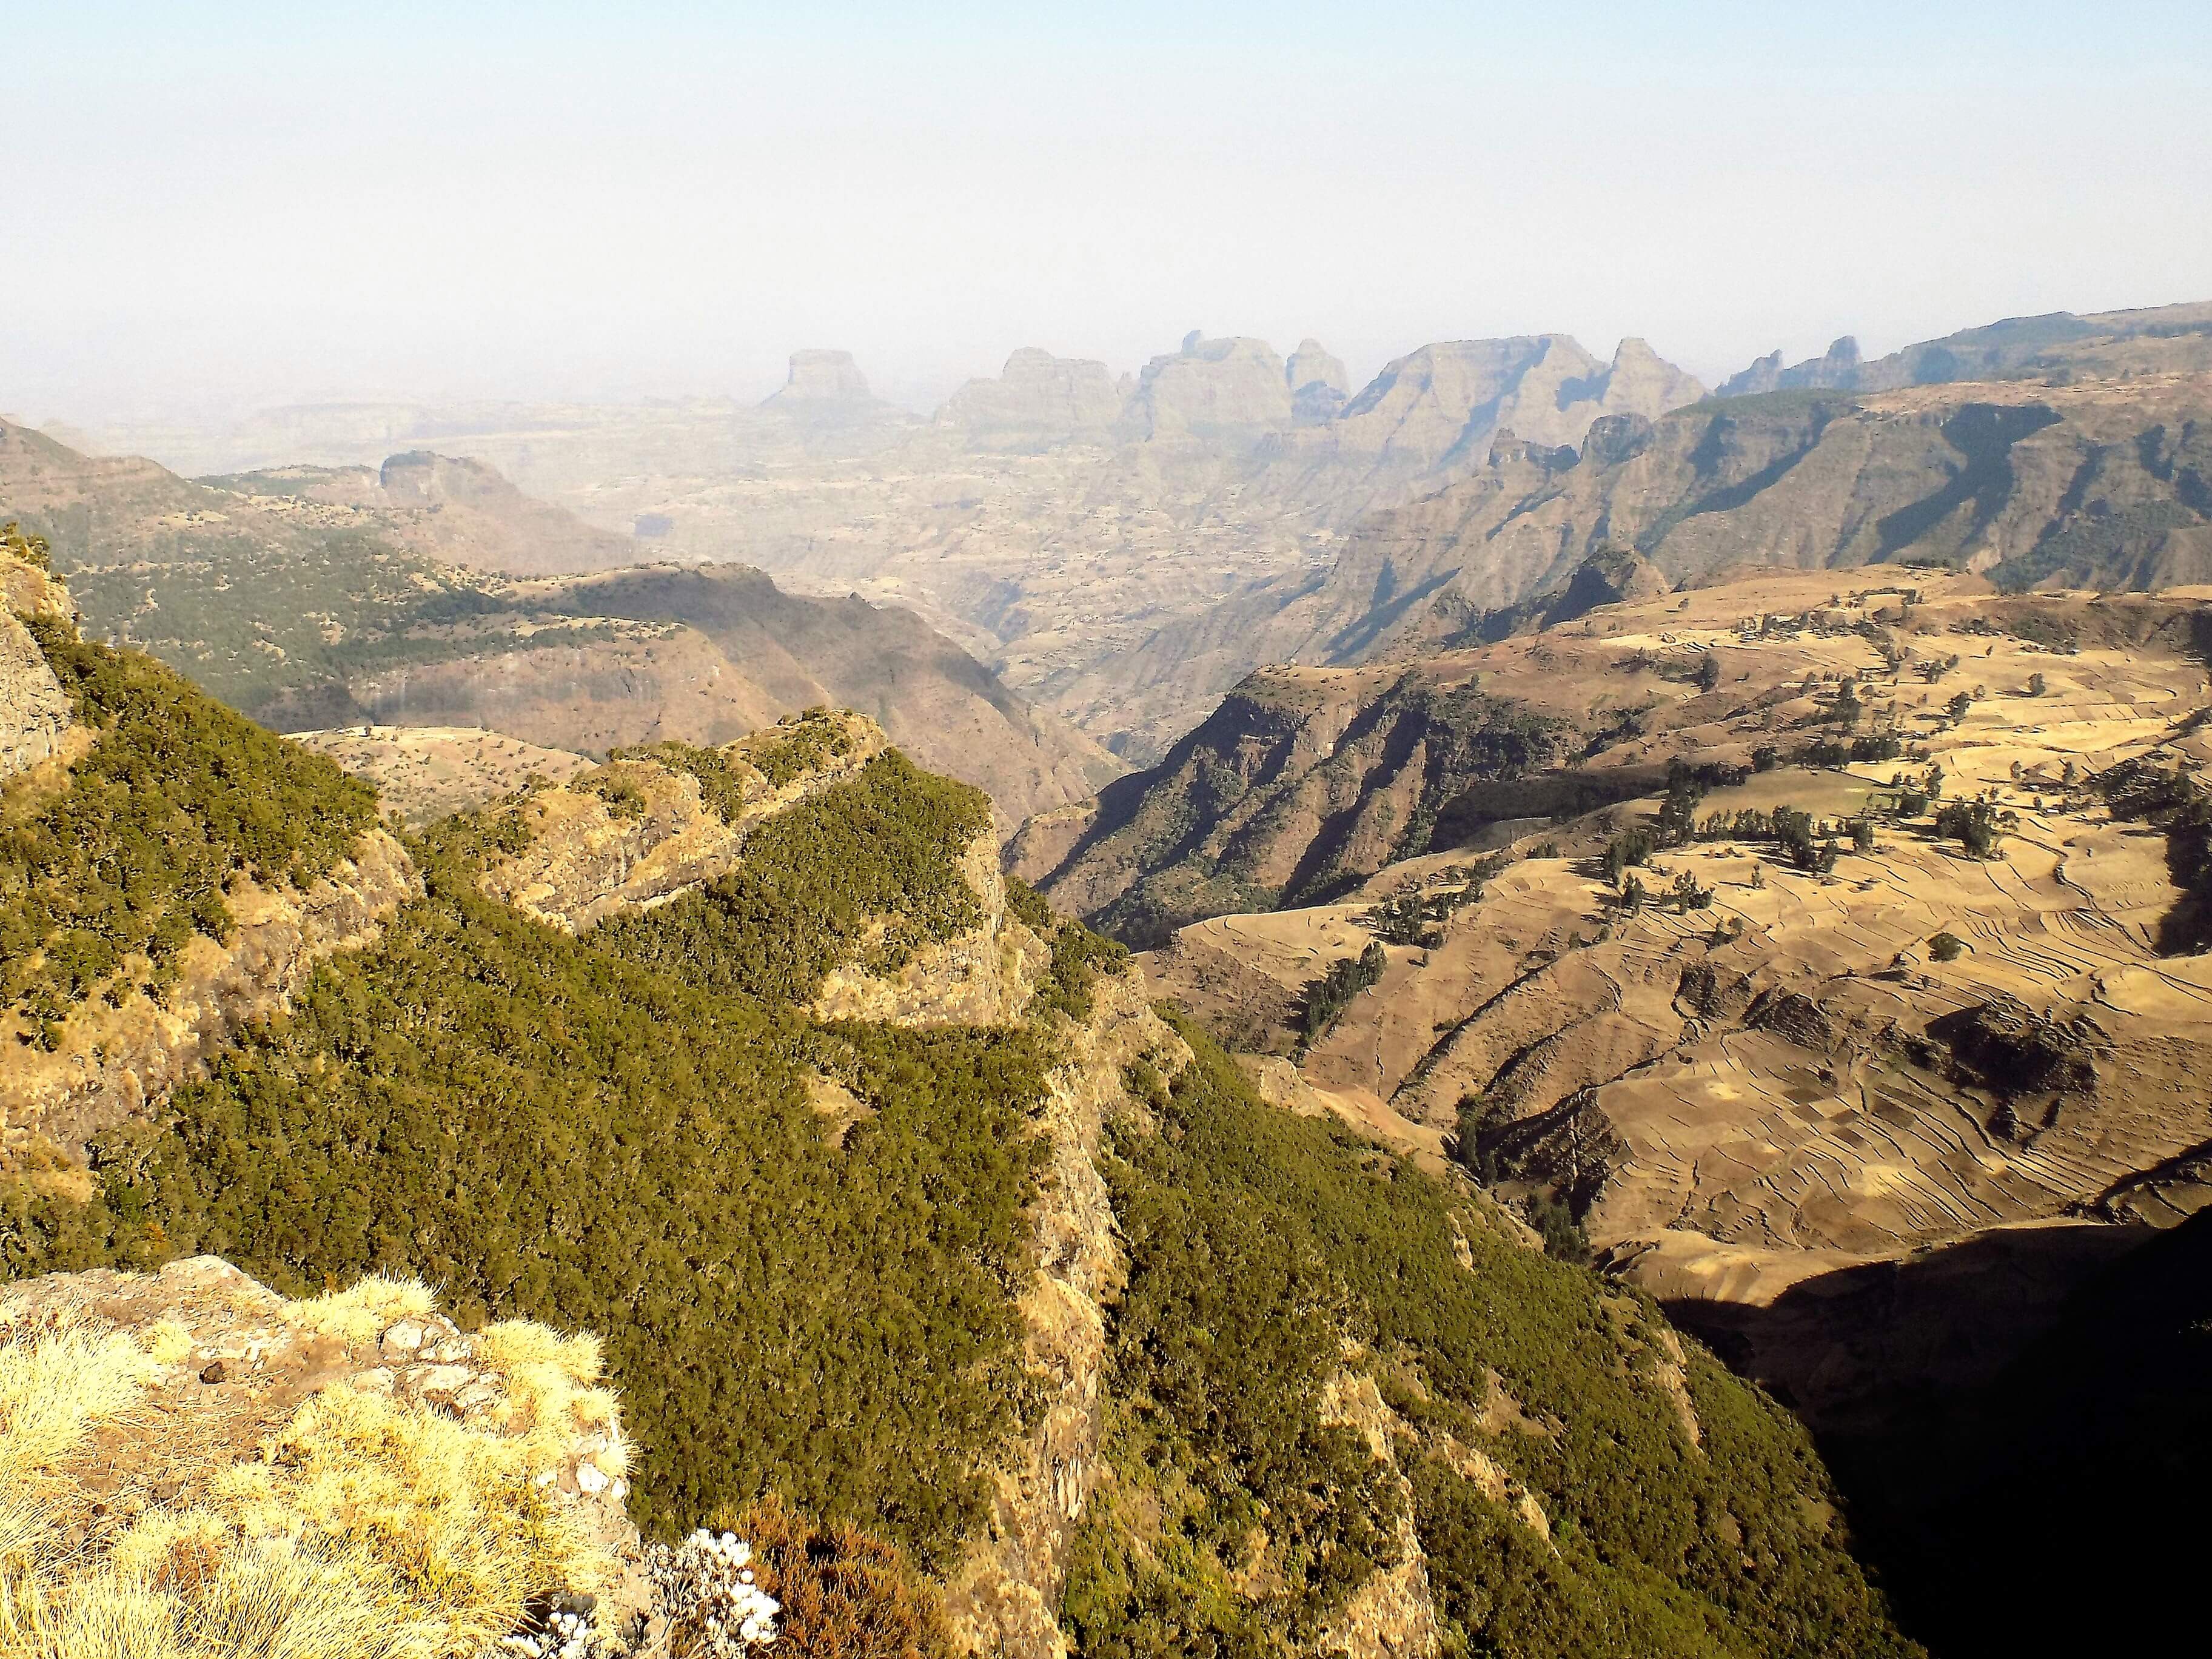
<point x="820" y="376"/>
<point x="1313" y="364"/>
<point x="1231" y="390"/>
<point x="1037" y="400"/>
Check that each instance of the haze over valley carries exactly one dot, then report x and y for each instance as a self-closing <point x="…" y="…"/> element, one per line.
<point x="741" y="915"/>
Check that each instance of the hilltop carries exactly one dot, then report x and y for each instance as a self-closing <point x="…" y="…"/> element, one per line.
<point x="891" y="1199"/>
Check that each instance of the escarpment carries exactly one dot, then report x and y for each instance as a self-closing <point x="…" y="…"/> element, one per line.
<point x="642" y="830"/>
<point x="894" y="1202"/>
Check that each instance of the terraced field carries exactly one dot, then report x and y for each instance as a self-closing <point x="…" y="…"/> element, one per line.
<point x="1782" y="1078"/>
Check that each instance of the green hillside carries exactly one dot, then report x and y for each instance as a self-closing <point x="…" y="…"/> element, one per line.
<point x="613" y="1133"/>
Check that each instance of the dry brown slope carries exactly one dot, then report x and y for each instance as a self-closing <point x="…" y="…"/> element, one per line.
<point x="1786" y="1083"/>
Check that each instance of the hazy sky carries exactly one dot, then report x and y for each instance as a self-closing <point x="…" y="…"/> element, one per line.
<point x="209" y="207"/>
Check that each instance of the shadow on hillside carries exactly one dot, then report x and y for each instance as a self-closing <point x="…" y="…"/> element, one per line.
<point x="2016" y="1423"/>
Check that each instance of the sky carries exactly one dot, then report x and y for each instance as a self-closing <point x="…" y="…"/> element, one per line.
<point x="208" y="209"/>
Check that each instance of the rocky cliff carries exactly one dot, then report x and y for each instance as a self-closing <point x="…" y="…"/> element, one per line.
<point x="34" y="710"/>
<point x="1228" y="391"/>
<point x="1038" y="401"/>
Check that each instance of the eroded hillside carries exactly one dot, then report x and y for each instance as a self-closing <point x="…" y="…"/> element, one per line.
<point x="1863" y="926"/>
<point x="2074" y="458"/>
<point x="892" y="1199"/>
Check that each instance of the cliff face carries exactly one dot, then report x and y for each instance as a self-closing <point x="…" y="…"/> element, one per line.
<point x="1004" y="1598"/>
<point x="1038" y="401"/>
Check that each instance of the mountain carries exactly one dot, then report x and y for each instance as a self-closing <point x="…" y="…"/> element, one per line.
<point x="2086" y="468"/>
<point x="1055" y="521"/>
<point x="780" y="1167"/>
<point x="1038" y="402"/>
<point x="457" y="510"/>
<point x="1826" y="956"/>
<point x="2057" y="342"/>
<point x="318" y="597"/>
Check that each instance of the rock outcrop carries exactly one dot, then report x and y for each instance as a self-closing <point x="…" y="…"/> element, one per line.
<point x="819" y="377"/>
<point x="197" y="1419"/>
<point x="983" y="977"/>
<point x="642" y="832"/>
<point x="112" y="1062"/>
<point x="1003" y="1599"/>
<point x="34" y="710"/>
<point x="1228" y="391"/>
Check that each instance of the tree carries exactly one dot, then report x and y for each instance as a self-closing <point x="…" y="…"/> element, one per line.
<point x="1973" y="823"/>
<point x="2035" y="685"/>
<point x="1708" y="672"/>
<point x="1848" y="708"/>
<point x="1946" y="947"/>
<point x="1959" y="704"/>
<point x="1862" y="835"/>
<point x="1628" y="848"/>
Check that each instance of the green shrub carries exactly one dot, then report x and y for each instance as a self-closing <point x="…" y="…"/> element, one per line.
<point x="1947" y="947"/>
<point x="1326" y="998"/>
<point x="547" y="1130"/>
<point x="798" y="745"/>
<point x="721" y="786"/>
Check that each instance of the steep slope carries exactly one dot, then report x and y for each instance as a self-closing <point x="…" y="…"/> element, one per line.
<point x="2087" y="468"/>
<point x="945" y="1270"/>
<point x="313" y="601"/>
<point x="1844" y="995"/>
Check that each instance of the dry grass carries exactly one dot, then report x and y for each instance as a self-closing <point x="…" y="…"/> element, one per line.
<point x="369" y="1528"/>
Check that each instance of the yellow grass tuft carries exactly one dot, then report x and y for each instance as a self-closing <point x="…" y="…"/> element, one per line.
<point x="369" y="1528"/>
<point x="361" y="1312"/>
<point x="56" y="1381"/>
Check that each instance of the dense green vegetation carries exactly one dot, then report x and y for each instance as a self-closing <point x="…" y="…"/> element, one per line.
<point x="1257" y="1239"/>
<point x="798" y="745"/>
<point x="179" y="797"/>
<point x="1079" y="956"/>
<point x="882" y="847"/>
<point x="545" y="1129"/>
<point x="613" y="1132"/>
<point x="722" y="785"/>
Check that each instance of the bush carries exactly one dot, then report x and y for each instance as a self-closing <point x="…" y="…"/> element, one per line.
<point x="1326" y="998"/>
<point x="1627" y="849"/>
<point x="1947" y="947"/>
<point x="814" y="881"/>
<point x="1972" y="824"/>
<point x="844" y="1593"/>
<point x="33" y="550"/>
<point x="1263" y="1248"/>
<point x="550" y="1130"/>
<point x="1563" y="1237"/>
<point x="798" y="745"/>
